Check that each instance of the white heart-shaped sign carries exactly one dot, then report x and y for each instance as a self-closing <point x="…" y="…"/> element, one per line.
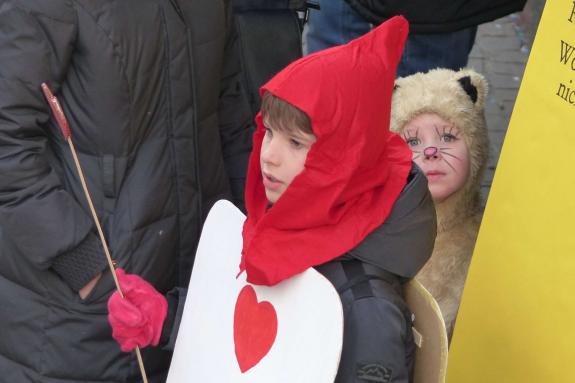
<point x="232" y="331"/>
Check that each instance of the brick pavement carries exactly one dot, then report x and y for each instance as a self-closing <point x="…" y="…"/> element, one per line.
<point x="500" y="53"/>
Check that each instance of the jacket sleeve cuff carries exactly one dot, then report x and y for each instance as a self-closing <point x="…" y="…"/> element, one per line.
<point x="176" y="300"/>
<point x="79" y="265"/>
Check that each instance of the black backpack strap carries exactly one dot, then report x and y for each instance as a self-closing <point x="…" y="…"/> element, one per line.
<point x="357" y="277"/>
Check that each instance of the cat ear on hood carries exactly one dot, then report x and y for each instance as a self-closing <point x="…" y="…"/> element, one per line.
<point x="475" y="86"/>
<point x="469" y="88"/>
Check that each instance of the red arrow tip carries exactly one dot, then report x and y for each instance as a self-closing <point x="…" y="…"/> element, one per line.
<point x="57" y="111"/>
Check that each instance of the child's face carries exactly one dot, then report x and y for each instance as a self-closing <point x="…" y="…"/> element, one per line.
<point x="440" y="151"/>
<point x="282" y="158"/>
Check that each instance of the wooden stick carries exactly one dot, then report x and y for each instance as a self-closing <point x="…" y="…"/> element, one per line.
<point x="104" y="243"/>
<point x="65" y="129"/>
<point x="94" y="215"/>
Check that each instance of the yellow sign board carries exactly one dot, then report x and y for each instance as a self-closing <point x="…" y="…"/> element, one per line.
<point x="516" y="323"/>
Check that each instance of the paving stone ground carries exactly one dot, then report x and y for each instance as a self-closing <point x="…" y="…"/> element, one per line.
<point x="500" y="53"/>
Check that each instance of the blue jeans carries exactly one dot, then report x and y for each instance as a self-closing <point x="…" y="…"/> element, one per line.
<point x="425" y="51"/>
<point x="337" y="23"/>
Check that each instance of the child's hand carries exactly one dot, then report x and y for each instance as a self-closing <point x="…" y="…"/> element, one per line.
<point x="87" y="289"/>
<point x="138" y="318"/>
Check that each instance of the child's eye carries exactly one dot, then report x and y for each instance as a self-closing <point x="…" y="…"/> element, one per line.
<point x="413" y="141"/>
<point x="448" y="137"/>
<point x="269" y="132"/>
<point x="295" y="144"/>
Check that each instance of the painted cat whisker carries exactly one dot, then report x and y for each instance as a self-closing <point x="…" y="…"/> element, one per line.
<point x="452" y="155"/>
<point x="448" y="164"/>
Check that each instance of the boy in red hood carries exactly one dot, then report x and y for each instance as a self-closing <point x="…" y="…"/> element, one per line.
<point x="344" y="197"/>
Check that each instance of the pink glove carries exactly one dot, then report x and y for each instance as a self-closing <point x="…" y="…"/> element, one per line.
<point x="138" y="318"/>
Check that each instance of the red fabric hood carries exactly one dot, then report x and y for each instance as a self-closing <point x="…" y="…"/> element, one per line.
<point x="353" y="173"/>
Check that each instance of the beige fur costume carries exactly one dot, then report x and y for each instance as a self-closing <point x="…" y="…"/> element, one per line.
<point x="459" y="98"/>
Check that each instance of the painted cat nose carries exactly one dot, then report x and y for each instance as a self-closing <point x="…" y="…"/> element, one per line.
<point x="430" y="151"/>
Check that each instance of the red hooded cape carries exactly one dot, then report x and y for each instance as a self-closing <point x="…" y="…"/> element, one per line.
<point x="353" y="173"/>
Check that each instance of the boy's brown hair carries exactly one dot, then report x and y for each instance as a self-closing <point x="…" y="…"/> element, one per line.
<point x="284" y="116"/>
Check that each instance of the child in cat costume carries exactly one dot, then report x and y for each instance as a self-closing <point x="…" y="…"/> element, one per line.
<point x="440" y="114"/>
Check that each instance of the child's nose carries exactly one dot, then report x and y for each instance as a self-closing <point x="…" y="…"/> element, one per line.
<point x="430" y="152"/>
<point x="270" y="152"/>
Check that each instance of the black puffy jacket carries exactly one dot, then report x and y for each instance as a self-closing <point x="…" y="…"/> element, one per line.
<point x="429" y="16"/>
<point x="151" y="90"/>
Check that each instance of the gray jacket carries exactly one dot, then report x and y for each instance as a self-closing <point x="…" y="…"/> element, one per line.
<point x="377" y="340"/>
<point x="151" y="90"/>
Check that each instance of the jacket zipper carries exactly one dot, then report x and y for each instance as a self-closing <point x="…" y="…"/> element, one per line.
<point x="189" y="40"/>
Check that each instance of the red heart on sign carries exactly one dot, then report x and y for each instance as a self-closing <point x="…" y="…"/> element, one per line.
<point x="255" y="328"/>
